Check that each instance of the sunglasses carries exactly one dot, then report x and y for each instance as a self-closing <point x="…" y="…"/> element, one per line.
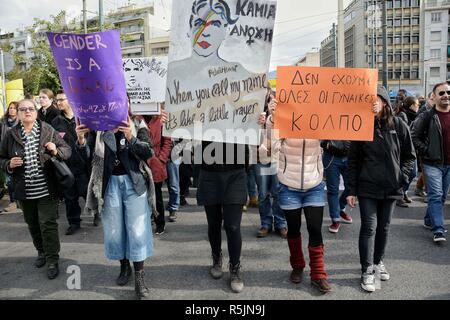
<point x="441" y="93"/>
<point x="25" y="109"/>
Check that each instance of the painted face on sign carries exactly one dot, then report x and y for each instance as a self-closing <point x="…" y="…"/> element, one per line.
<point x="209" y="22"/>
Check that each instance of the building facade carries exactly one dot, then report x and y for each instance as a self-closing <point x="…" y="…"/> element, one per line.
<point x="364" y="40"/>
<point x="311" y="59"/>
<point x="328" y="50"/>
<point x="436" y="37"/>
<point x="140" y="36"/>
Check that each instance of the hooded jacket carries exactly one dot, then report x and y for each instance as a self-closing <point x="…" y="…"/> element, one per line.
<point x="378" y="169"/>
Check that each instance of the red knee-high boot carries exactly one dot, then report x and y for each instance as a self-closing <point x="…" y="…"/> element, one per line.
<point x="318" y="274"/>
<point x="297" y="259"/>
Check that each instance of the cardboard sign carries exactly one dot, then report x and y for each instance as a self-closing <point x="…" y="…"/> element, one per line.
<point x="218" y="62"/>
<point x="91" y="73"/>
<point x="146" y="83"/>
<point x="326" y="103"/>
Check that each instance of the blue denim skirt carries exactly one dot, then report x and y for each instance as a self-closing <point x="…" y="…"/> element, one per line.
<point x="291" y="199"/>
<point x="126" y="218"/>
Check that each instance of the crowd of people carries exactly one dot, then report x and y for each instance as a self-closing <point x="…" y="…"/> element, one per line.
<point x="120" y="175"/>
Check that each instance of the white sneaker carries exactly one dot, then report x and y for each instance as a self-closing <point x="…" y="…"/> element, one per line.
<point x="381" y="270"/>
<point x="368" y="280"/>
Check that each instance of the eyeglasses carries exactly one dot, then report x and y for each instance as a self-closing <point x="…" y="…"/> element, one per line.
<point x="25" y="109"/>
<point x="441" y="93"/>
<point x="61" y="100"/>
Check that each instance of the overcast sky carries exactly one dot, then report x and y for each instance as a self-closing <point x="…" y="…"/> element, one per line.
<point x="300" y="24"/>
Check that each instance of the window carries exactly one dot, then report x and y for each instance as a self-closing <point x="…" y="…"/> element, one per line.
<point x="390" y="22"/>
<point x="406" y="57"/>
<point x="415" y="56"/>
<point x="406" y="21"/>
<point x="398" y="3"/>
<point x="406" y="74"/>
<point x="435" y="36"/>
<point x="435" y="17"/>
<point x="391" y="58"/>
<point x="397" y="22"/>
<point x="415" y="3"/>
<point x="415" y="38"/>
<point x="398" y="57"/>
<point x="435" y="53"/>
<point x="390" y="74"/>
<point x="406" y="3"/>
<point x="398" y="74"/>
<point x="406" y="39"/>
<point x="415" y="74"/>
<point x="435" y="72"/>
<point x="390" y="40"/>
<point x="389" y="4"/>
<point x="415" y="20"/>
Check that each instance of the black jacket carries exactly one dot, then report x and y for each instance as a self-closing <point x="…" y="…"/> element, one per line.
<point x="378" y="169"/>
<point x="51" y="113"/>
<point x="427" y="137"/>
<point x="140" y="147"/>
<point x="337" y="148"/>
<point x="13" y="145"/>
<point x="239" y="159"/>
<point x="76" y="162"/>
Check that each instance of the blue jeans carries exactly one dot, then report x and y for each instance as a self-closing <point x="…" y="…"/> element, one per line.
<point x="292" y="199"/>
<point x="438" y="182"/>
<point x="269" y="210"/>
<point x="173" y="185"/>
<point x="251" y="182"/>
<point x="334" y="168"/>
<point x="412" y="175"/>
<point x="126" y="217"/>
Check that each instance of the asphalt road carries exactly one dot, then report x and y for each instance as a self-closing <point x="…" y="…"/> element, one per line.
<point x="178" y="270"/>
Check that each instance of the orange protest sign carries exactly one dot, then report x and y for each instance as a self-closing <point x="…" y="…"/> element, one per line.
<point x="326" y="103"/>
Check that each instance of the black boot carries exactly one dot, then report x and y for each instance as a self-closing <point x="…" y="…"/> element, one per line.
<point x="125" y="273"/>
<point x="40" y="260"/>
<point x="139" y="285"/>
<point x="216" y="269"/>
<point x="236" y="282"/>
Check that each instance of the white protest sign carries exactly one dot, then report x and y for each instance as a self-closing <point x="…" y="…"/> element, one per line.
<point x="146" y="83"/>
<point x="218" y="62"/>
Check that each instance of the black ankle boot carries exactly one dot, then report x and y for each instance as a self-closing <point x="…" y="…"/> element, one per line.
<point x="236" y="281"/>
<point x="139" y="285"/>
<point x="125" y="273"/>
<point x="216" y="269"/>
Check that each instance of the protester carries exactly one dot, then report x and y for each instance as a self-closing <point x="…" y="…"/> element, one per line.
<point x="161" y="147"/>
<point x="408" y="113"/>
<point x="173" y="179"/>
<point x="431" y="136"/>
<point x="25" y="154"/>
<point x="335" y="165"/>
<point x="48" y="111"/>
<point x="65" y="125"/>
<point x="9" y="121"/>
<point x="377" y="171"/>
<point x="298" y="191"/>
<point x="401" y="96"/>
<point x="270" y="213"/>
<point x="121" y="194"/>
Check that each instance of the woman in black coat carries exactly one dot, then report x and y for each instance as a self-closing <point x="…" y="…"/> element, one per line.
<point x="377" y="171"/>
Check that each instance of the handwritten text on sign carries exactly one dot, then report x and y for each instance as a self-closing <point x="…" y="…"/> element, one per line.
<point x="326" y="103"/>
<point x="90" y="69"/>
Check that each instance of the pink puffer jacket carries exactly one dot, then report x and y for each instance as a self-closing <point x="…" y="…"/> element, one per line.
<point x="299" y="161"/>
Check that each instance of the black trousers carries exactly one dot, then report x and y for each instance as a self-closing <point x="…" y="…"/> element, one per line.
<point x="160" y="220"/>
<point x="375" y="220"/>
<point x="79" y="189"/>
<point x="314" y="219"/>
<point x="232" y="217"/>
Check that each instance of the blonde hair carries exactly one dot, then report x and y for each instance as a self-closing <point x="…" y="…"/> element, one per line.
<point x="48" y="93"/>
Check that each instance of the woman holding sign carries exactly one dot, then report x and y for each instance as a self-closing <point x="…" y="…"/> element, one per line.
<point x="300" y="174"/>
<point x="120" y="186"/>
<point x="377" y="171"/>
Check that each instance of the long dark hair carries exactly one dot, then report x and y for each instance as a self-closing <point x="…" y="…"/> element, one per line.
<point x="387" y="114"/>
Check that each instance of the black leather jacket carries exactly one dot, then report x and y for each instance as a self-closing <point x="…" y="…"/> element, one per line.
<point x="426" y="134"/>
<point x="337" y="148"/>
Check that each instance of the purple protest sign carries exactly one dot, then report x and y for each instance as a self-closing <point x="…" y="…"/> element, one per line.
<point x="91" y="73"/>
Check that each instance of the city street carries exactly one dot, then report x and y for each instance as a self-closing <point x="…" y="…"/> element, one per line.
<point x="179" y="268"/>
